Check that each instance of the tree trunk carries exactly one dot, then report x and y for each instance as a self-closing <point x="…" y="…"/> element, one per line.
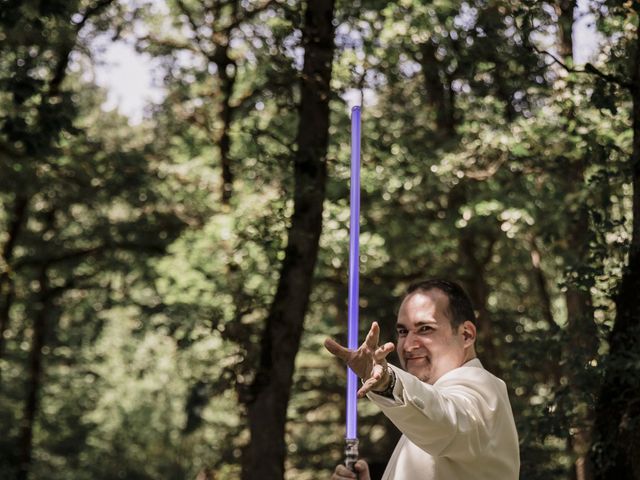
<point x="477" y="256"/>
<point x="7" y="291"/>
<point x="616" y="439"/>
<point x="35" y="378"/>
<point x="204" y="16"/>
<point x="550" y="364"/>
<point x="582" y="331"/>
<point x="541" y="286"/>
<point x="564" y="11"/>
<point x="440" y="94"/>
<point x="227" y="79"/>
<point x="271" y="389"/>
<point x="224" y="143"/>
<point x="581" y="346"/>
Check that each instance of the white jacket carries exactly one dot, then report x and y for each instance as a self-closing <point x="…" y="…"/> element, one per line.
<point x="459" y="428"/>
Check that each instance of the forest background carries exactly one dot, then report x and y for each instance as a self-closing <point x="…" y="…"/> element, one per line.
<point x="165" y="287"/>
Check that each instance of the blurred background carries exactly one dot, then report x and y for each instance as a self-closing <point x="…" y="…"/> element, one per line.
<point x="174" y="212"/>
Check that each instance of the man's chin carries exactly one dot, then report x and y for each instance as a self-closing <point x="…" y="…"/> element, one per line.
<point x="420" y="371"/>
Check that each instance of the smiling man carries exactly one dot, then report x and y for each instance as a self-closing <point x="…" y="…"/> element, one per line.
<point x="454" y="415"/>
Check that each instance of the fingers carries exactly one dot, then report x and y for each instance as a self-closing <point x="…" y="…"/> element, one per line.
<point x="367" y="387"/>
<point x="368" y="357"/>
<point x="364" y="389"/>
<point x="373" y="337"/>
<point x="360" y="361"/>
<point x="336" y="349"/>
<point x="370" y="383"/>
<point x="382" y="352"/>
<point x="342" y="473"/>
<point x="363" y="470"/>
<point x="371" y="342"/>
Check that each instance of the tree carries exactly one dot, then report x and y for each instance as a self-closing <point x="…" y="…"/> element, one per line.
<point x="616" y="437"/>
<point x="66" y="226"/>
<point x="212" y="88"/>
<point x="271" y="389"/>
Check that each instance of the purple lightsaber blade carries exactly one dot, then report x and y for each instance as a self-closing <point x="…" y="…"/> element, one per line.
<point x="354" y="258"/>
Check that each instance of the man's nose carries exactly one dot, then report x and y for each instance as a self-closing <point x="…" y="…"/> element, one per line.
<point x="410" y="342"/>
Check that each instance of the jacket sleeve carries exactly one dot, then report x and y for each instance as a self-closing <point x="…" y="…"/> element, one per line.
<point x="453" y="418"/>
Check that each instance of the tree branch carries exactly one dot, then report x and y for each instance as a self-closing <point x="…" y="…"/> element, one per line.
<point x="86" y="252"/>
<point x="588" y="69"/>
<point x="248" y="15"/>
<point x="91" y="11"/>
<point x="60" y="69"/>
<point x="195" y="27"/>
<point x="171" y="44"/>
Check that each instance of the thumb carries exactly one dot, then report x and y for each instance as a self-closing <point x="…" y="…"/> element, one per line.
<point x="336" y="349"/>
<point x="363" y="470"/>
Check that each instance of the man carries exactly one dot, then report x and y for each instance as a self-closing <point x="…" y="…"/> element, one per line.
<point x="454" y="415"/>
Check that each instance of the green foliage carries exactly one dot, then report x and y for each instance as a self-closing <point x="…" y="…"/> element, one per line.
<point x="482" y="160"/>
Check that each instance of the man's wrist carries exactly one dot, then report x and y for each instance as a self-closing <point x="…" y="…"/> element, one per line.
<point x="387" y="386"/>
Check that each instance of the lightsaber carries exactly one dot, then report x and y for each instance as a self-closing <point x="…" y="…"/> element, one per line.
<point x="351" y="450"/>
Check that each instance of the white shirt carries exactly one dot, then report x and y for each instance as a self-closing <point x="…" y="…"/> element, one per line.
<point x="459" y="428"/>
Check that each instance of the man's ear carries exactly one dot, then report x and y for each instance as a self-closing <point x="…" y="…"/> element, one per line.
<point x="468" y="333"/>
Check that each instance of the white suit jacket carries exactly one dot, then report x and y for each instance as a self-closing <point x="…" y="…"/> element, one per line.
<point x="459" y="428"/>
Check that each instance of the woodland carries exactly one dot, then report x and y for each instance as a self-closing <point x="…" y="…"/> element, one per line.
<point x="166" y="285"/>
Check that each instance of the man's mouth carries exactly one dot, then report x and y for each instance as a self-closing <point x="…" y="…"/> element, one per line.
<point x="411" y="359"/>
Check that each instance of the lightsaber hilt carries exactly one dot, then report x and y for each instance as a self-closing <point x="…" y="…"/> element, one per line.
<point x="351" y="454"/>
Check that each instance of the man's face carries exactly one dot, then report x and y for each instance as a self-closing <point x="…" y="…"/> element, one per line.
<point x="427" y="346"/>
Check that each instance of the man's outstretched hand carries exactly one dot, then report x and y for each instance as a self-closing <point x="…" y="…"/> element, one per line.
<point x="369" y="361"/>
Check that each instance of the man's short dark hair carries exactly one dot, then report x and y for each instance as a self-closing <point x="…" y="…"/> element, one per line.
<point x="460" y="307"/>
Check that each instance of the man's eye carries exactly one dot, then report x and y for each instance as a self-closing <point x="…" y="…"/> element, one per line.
<point x="402" y="333"/>
<point x="425" y="329"/>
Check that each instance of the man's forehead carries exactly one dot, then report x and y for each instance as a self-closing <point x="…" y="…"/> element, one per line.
<point x="424" y="306"/>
